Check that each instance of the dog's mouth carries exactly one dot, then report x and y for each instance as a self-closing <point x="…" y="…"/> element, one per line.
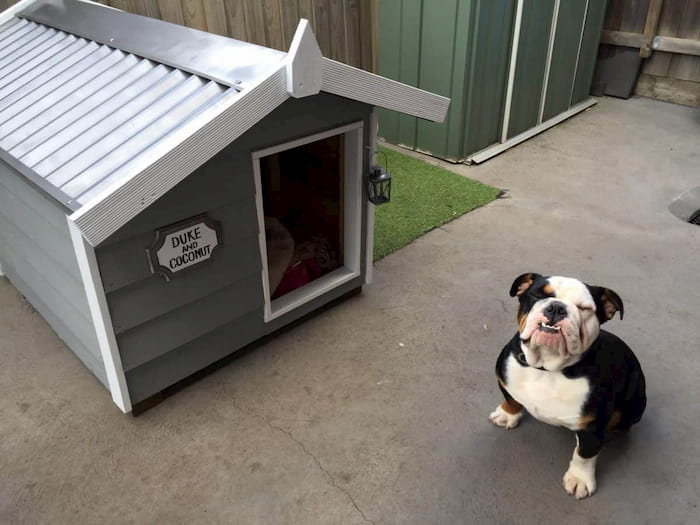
<point x="549" y="329"/>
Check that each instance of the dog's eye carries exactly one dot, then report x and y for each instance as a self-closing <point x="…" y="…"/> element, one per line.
<point x="585" y="308"/>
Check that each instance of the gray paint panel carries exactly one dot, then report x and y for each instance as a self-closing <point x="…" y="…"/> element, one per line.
<point x="86" y="355"/>
<point x="223" y="180"/>
<point x="35" y="242"/>
<point x="126" y="263"/>
<point x="182" y="362"/>
<point x="34" y="200"/>
<point x="64" y="284"/>
<point x="167" y="331"/>
<point x="157" y="337"/>
<point x="152" y="298"/>
<point x="53" y="238"/>
<point x="160" y="373"/>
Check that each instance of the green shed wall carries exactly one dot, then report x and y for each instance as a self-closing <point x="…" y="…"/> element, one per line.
<point x="462" y="49"/>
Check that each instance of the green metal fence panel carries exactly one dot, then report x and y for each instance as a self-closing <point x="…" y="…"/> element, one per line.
<point x="390" y="61"/>
<point x="564" y="56"/>
<point x="439" y="28"/>
<point x="492" y="38"/>
<point x="589" y="50"/>
<point x="461" y="69"/>
<point x="463" y="49"/>
<point x="531" y="61"/>
<point x="410" y="62"/>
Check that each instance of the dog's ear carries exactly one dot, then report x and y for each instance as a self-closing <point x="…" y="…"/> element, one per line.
<point x="522" y="283"/>
<point x="607" y="303"/>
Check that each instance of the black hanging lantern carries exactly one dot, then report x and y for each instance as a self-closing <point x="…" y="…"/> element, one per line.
<point x="379" y="184"/>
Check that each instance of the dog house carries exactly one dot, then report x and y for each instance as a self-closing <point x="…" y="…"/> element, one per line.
<point x="168" y="196"/>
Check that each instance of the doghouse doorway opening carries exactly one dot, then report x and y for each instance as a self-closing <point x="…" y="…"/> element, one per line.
<point x="309" y="195"/>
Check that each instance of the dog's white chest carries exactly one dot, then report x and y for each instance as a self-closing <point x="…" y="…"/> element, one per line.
<point x="549" y="396"/>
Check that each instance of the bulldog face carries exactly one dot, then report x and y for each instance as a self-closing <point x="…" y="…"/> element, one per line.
<point x="559" y="318"/>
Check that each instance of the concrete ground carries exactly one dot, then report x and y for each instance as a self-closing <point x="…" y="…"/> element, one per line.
<point x="376" y="410"/>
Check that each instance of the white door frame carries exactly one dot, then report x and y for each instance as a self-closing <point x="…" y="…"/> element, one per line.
<point x="353" y="194"/>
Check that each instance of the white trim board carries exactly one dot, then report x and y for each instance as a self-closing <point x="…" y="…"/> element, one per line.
<point x="548" y="65"/>
<point x="352" y="222"/>
<point x="511" y="70"/>
<point x="369" y="207"/>
<point x="494" y="150"/>
<point x="101" y="319"/>
<point x="578" y="53"/>
<point x="9" y="13"/>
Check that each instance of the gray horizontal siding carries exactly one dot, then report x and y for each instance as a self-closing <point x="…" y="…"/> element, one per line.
<point x="217" y="184"/>
<point x="135" y="305"/>
<point x="37" y="217"/>
<point x="183" y="361"/>
<point x="21" y="247"/>
<point x="157" y="337"/>
<point x="166" y="331"/>
<point x="37" y="250"/>
<point x="125" y="263"/>
<point x="156" y="375"/>
<point x="85" y="354"/>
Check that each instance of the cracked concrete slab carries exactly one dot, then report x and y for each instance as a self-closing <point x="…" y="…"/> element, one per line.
<point x="376" y="410"/>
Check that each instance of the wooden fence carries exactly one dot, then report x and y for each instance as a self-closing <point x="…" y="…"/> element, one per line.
<point x="673" y="76"/>
<point x="344" y="28"/>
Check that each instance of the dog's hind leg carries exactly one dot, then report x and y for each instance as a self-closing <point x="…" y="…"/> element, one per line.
<point x="509" y="413"/>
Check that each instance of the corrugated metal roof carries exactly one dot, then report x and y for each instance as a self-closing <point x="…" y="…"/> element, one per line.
<point x="106" y="111"/>
<point x="75" y="111"/>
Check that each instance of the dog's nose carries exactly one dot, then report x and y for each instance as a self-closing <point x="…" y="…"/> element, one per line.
<point x="555" y="312"/>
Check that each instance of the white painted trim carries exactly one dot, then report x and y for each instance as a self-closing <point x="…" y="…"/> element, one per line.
<point x="550" y="50"/>
<point x="10" y="12"/>
<point x="494" y="150"/>
<point x="369" y="207"/>
<point x="304" y="73"/>
<point x="352" y="222"/>
<point x="311" y="291"/>
<point x="101" y="319"/>
<point x="511" y="69"/>
<point x="578" y="53"/>
<point x="357" y="84"/>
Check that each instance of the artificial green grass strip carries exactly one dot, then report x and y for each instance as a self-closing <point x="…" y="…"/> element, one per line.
<point x="423" y="197"/>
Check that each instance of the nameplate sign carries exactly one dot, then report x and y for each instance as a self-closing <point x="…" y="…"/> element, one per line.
<point x="184" y="246"/>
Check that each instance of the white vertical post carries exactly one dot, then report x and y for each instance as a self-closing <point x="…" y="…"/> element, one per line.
<point x="369" y="207"/>
<point x="552" y="35"/>
<point x="2" y="274"/>
<point x="578" y="54"/>
<point x="511" y="70"/>
<point x="101" y="320"/>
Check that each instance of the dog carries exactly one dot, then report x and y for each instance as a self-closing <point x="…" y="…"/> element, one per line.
<point x="565" y="371"/>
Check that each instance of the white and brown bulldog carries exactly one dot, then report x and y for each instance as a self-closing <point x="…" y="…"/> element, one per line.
<point x="564" y="370"/>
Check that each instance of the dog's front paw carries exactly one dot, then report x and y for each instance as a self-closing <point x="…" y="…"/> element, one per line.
<point x="579" y="482"/>
<point x="503" y="419"/>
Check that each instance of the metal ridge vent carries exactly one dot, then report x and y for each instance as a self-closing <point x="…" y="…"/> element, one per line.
<point x="218" y="58"/>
